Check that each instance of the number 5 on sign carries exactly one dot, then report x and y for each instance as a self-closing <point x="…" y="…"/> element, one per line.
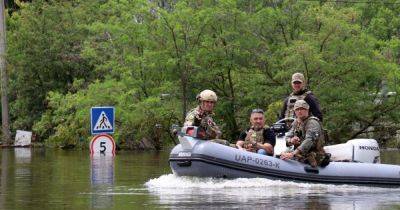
<point x="102" y="145"/>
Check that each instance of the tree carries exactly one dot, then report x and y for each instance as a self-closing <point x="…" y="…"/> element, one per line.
<point x="4" y="79"/>
<point x="46" y="38"/>
<point x="157" y="55"/>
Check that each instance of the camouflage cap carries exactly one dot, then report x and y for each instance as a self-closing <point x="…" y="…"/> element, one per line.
<point x="301" y="104"/>
<point x="298" y="77"/>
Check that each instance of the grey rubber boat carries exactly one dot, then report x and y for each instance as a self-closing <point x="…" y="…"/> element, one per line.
<point x="200" y="158"/>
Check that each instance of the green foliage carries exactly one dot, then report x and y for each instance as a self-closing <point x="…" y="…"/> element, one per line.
<point x="44" y="44"/>
<point x="67" y="119"/>
<point x="149" y="59"/>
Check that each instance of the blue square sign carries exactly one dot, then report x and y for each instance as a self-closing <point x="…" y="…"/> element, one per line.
<point x="102" y="119"/>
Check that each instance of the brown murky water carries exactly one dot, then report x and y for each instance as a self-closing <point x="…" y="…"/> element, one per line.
<point x="55" y="179"/>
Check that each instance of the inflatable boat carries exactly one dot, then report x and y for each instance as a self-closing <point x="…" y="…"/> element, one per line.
<point x="355" y="162"/>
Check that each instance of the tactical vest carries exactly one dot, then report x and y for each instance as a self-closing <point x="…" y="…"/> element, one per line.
<point x="291" y="101"/>
<point x="254" y="136"/>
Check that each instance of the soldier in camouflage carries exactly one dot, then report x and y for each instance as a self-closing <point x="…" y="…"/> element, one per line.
<point x="307" y="137"/>
<point x="201" y="116"/>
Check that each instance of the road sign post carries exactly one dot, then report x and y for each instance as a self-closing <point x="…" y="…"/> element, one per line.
<point x="101" y="124"/>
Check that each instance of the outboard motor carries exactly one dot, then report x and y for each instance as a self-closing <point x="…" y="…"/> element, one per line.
<point x="355" y="150"/>
<point x="279" y="129"/>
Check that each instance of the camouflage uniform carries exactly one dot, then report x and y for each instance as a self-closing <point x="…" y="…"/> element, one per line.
<point x="196" y="117"/>
<point x="312" y="139"/>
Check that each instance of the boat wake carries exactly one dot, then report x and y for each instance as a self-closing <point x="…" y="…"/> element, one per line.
<point x="241" y="192"/>
<point x="170" y="181"/>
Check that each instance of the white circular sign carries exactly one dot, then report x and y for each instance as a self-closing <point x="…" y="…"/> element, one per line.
<point x="102" y="144"/>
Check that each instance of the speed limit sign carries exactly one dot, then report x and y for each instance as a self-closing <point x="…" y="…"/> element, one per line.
<point x="102" y="144"/>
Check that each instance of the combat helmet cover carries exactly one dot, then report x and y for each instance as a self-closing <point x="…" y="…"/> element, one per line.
<point x="207" y="95"/>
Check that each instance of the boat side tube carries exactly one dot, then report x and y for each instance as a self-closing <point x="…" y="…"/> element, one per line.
<point x="201" y="158"/>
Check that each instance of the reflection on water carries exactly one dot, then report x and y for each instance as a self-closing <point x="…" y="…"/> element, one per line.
<point x="3" y="178"/>
<point x="23" y="158"/>
<point x="189" y="192"/>
<point x="23" y="155"/>
<point x="102" y="180"/>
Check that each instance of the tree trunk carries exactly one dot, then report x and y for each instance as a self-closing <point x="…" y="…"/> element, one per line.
<point x="235" y="129"/>
<point x="4" y="79"/>
<point x="184" y="81"/>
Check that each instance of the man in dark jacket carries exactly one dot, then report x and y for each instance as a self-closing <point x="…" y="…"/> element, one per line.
<point x="300" y="92"/>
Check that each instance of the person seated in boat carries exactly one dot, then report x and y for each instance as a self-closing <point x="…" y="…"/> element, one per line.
<point x="307" y="137"/>
<point x="257" y="138"/>
<point x="201" y="116"/>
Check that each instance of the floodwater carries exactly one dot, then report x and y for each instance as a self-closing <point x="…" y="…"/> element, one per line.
<point x="56" y="179"/>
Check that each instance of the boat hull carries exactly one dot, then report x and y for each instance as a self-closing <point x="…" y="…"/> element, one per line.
<point x="200" y="158"/>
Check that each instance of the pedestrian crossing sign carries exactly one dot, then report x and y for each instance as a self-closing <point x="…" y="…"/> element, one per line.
<point x="102" y="120"/>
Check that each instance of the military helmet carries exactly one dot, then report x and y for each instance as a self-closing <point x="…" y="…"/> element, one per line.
<point x="301" y="104"/>
<point x="207" y="95"/>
